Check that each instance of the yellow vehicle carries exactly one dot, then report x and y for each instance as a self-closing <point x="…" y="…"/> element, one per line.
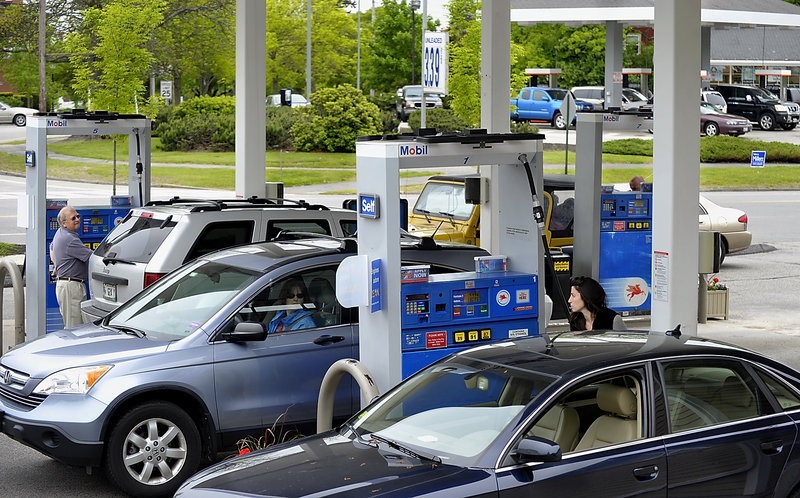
<point x="442" y="212"/>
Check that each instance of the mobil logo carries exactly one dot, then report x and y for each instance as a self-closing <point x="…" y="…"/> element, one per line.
<point x="413" y="150"/>
<point x="54" y="123"/>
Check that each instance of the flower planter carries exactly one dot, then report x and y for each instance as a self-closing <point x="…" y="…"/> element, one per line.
<point x="717" y="304"/>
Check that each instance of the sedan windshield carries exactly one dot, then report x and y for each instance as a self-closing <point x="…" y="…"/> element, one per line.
<point x="183" y="301"/>
<point x="452" y="411"/>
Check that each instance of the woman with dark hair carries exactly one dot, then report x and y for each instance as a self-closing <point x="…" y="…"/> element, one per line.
<point x="587" y="301"/>
<point x="293" y="294"/>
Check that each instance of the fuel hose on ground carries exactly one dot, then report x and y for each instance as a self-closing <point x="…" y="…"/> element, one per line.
<point x="538" y="216"/>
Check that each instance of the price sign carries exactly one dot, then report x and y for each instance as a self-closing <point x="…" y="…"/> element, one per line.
<point x="434" y="62"/>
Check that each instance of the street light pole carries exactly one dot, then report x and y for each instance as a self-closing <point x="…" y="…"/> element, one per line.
<point x="414" y="7"/>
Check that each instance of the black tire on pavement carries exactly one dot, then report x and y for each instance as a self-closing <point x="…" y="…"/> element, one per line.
<point x="152" y="449"/>
<point x="767" y="121"/>
<point x="711" y="129"/>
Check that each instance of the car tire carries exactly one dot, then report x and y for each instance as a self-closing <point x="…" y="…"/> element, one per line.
<point x="152" y="449"/>
<point x="20" y="120"/>
<point x="788" y="127"/>
<point x="723" y="250"/>
<point x="767" y="121"/>
<point x="711" y="129"/>
<point x="558" y="121"/>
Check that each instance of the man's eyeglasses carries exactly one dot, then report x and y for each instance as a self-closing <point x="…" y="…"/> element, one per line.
<point x="298" y="296"/>
<point x="76" y="217"/>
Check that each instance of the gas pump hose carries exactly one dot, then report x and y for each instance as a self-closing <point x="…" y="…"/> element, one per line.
<point x="538" y="216"/>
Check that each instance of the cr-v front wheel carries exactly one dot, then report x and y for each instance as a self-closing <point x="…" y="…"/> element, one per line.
<point x="152" y="449"/>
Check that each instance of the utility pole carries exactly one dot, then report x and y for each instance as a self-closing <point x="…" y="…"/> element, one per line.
<point x="42" y="45"/>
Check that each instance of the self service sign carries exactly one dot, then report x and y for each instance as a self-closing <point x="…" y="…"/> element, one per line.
<point x="368" y="206"/>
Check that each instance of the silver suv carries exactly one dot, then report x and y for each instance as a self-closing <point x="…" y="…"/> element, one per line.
<point x="161" y="236"/>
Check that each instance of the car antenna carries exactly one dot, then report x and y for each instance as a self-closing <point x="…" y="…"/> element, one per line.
<point x="676" y="332"/>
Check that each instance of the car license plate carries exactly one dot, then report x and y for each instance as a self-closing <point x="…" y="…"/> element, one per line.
<point x="110" y="291"/>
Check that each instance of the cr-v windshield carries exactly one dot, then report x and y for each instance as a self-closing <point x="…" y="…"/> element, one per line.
<point x="443" y="200"/>
<point x="183" y="301"/>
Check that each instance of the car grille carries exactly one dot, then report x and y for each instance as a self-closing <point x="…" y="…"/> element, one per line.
<point x="12" y="384"/>
<point x="793" y="108"/>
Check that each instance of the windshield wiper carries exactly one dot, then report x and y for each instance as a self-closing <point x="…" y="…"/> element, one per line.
<point x="449" y="216"/>
<point x="425" y="213"/>
<point x="402" y="449"/>
<point x="129" y="330"/>
<point x="360" y="438"/>
<point x="114" y="260"/>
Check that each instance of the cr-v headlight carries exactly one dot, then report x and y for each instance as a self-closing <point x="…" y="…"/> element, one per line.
<point x="781" y="108"/>
<point x="72" y="380"/>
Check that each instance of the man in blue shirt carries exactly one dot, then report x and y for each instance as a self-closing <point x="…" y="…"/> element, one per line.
<point x="70" y="258"/>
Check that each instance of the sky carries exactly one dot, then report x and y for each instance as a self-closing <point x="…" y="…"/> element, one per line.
<point x="437" y="9"/>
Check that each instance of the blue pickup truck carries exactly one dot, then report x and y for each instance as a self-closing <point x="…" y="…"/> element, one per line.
<point x="543" y="104"/>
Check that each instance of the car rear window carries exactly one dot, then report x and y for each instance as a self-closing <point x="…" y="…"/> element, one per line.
<point x="221" y="235"/>
<point x="275" y="227"/>
<point x="136" y="239"/>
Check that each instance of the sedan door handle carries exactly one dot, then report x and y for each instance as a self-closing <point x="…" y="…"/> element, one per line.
<point x="328" y="339"/>
<point x="772" y="447"/>
<point x="647" y="473"/>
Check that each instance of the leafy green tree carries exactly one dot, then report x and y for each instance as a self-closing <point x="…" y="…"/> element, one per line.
<point x="465" y="63"/>
<point x="19" y="62"/>
<point x="333" y="44"/>
<point x="109" y="55"/>
<point x="387" y="65"/>
<point x="194" y="46"/>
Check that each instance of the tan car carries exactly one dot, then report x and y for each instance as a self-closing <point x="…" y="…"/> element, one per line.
<point x="730" y="222"/>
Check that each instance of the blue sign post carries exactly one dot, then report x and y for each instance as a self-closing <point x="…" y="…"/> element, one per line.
<point x="758" y="158"/>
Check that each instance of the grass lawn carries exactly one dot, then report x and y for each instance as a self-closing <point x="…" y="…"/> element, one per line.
<point x="307" y="168"/>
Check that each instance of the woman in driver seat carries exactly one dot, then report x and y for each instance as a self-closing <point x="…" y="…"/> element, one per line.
<point x="293" y="294"/>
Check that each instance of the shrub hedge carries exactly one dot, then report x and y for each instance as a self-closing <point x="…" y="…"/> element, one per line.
<point x="336" y="118"/>
<point x="441" y="119"/>
<point x="719" y="149"/>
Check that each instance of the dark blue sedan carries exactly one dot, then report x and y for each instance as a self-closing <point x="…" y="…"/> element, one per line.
<point x="609" y="414"/>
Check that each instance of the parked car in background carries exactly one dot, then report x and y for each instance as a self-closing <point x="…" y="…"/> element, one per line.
<point x="714" y="122"/>
<point x="192" y="364"/>
<point x="544" y="105"/>
<point x="595" y="95"/>
<point x="760" y="106"/>
<point x="298" y="100"/>
<point x="605" y="414"/>
<point x="153" y="240"/>
<point x="715" y="99"/>
<point x="731" y="223"/>
<point x="410" y="99"/>
<point x="17" y="115"/>
<point x="632" y="99"/>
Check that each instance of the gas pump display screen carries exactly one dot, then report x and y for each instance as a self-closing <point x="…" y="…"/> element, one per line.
<point x="96" y="220"/>
<point x="417" y="303"/>
<point x="472" y="297"/>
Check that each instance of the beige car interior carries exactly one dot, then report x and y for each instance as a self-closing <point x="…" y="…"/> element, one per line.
<point x="580" y="422"/>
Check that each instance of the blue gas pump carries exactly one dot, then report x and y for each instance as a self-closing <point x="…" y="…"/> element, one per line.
<point x="626" y="245"/>
<point x="96" y="222"/>
<point x="453" y="311"/>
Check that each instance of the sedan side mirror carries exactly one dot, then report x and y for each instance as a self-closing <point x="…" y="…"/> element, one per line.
<point x="536" y="449"/>
<point x="247" y="331"/>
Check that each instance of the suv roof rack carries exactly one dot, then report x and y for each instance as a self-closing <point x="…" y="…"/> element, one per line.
<point x="220" y="204"/>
